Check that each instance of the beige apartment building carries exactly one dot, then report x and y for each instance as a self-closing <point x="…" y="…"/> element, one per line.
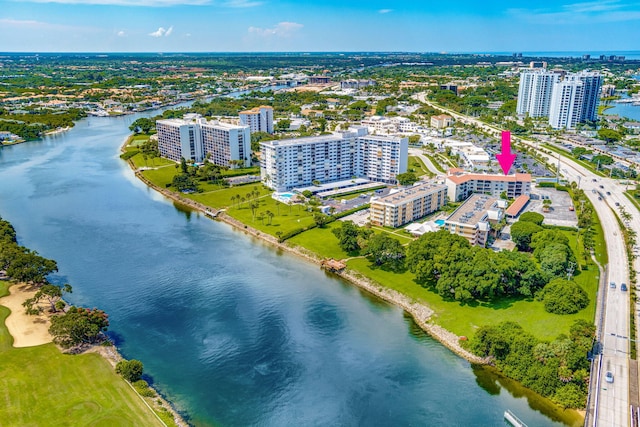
<point x="410" y="204"/>
<point x="461" y="185"/>
<point x="473" y="219"/>
<point x="441" y="121"/>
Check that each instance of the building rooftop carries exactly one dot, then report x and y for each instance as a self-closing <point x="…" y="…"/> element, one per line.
<point x="255" y="110"/>
<point x="517" y="205"/>
<point x="196" y="119"/>
<point x="411" y="193"/>
<point x="458" y="178"/>
<point x="473" y="210"/>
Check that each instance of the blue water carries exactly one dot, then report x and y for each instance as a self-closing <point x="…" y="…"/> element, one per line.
<point x="439" y="222"/>
<point x="233" y="332"/>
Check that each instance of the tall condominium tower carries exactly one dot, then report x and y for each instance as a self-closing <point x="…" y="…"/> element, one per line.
<point x="592" y="82"/>
<point x="195" y="139"/>
<point x="259" y="119"/>
<point x="567" y="103"/>
<point x="534" y="92"/>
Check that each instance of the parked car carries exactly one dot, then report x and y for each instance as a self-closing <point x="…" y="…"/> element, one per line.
<point x="617" y="204"/>
<point x="608" y="193"/>
<point x="623" y="287"/>
<point x="608" y="377"/>
<point x="612" y="285"/>
<point x="601" y="186"/>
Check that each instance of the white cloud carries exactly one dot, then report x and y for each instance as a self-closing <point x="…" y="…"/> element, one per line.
<point x="152" y="3"/>
<point x="162" y="32"/>
<point x="242" y="3"/>
<point x="281" y="30"/>
<point x="39" y="25"/>
<point x="158" y="33"/>
<point x="383" y="11"/>
<point x="584" y="12"/>
<point x="120" y="33"/>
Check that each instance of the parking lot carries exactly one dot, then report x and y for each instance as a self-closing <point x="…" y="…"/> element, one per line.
<point x="560" y="213"/>
<point x="360" y="218"/>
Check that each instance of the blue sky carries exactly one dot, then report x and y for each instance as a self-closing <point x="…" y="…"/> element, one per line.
<point x="324" y="25"/>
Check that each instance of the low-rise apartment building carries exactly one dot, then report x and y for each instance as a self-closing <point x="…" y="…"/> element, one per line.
<point x="441" y="121"/>
<point x="407" y="205"/>
<point x="461" y="185"/>
<point x="472" y="220"/>
<point x="299" y="162"/>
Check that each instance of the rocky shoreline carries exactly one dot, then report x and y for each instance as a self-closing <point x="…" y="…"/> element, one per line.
<point x="420" y="313"/>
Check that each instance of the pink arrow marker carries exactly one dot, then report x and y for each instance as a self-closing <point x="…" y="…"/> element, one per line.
<point x="505" y="158"/>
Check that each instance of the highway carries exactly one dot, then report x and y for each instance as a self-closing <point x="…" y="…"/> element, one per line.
<point x="611" y="400"/>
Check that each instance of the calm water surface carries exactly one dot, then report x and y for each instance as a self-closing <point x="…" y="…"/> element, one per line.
<point x="231" y="331"/>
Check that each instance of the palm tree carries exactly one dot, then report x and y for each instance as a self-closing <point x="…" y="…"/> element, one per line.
<point x="279" y="235"/>
<point x="270" y="215"/>
<point x="233" y="199"/>
<point x="278" y="203"/>
<point x="261" y="217"/>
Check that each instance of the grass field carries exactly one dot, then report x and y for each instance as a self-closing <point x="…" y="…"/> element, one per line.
<point x="40" y="386"/>
<point x="418" y="166"/>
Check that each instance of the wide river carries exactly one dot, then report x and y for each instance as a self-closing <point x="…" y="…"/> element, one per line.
<point x="231" y="331"/>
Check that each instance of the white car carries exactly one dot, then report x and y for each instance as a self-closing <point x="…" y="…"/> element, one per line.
<point x="608" y="377"/>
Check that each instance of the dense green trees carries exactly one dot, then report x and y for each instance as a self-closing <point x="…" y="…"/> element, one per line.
<point x="52" y="293"/>
<point x="32" y="123"/>
<point x="533" y="217"/>
<point x="521" y="233"/>
<point x="558" y="369"/>
<point x="562" y="296"/>
<point x="130" y="370"/>
<point x="407" y="178"/>
<point x="78" y="326"/>
<point x="386" y="252"/>
<point x="449" y="265"/>
<point x="351" y="238"/>
<point x="144" y="125"/>
<point x="609" y="135"/>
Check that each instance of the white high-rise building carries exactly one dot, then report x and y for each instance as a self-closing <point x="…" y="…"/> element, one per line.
<point x="592" y="83"/>
<point x="567" y="103"/>
<point x="535" y="92"/>
<point x="259" y="119"/>
<point x="290" y="163"/>
<point x="194" y="139"/>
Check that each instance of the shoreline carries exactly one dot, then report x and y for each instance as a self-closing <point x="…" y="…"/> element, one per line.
<point x="420" y="313"/>
<point x="31" y="331"/>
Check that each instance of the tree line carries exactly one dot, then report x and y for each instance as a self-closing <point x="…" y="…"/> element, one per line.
<point x="70" y="326"/>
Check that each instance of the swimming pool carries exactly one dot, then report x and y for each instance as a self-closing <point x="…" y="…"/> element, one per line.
<point x="286" y="195"/>
<point x="439" y="222"/>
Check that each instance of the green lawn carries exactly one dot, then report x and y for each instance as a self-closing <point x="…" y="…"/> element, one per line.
<point x="418" y="166"/>
<point x="40" y="386"/>
<point x="140" y="162"/>
<point x="321" y="241"/>
<point x="138" y="139"/>
<point x="161" y="176"/>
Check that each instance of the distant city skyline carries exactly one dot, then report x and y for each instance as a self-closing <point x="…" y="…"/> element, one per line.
<point x="305" y="26"/>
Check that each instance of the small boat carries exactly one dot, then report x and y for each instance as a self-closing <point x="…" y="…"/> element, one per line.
<point x="513" y="420"/>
